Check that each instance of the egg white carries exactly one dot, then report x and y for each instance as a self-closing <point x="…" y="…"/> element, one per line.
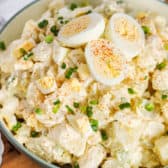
<point x="131" y="46"/>
<point x="46" y="84"/>
<point x="93" y="27"/>
<point x="97" y="72"/>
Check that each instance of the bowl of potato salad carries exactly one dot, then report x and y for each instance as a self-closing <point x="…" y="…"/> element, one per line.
<point x="84" y="84"/>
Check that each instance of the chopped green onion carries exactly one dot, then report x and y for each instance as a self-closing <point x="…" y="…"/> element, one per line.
<point x="63" y="66"/>
<point x="23" y="51"/>
<point x="76" y="165"/>
<point x="2" y="46"/>
<point x="88" y="12"/>
<point x="131" y="91"/>
<point x="149" y="106"/>
<point x="84" y="3"/>
<point x="161" y="65"/>
<point x="56" y="108"/>
<point x="43" y="24"/>
<point x="69" y="72"/>
<point x="62" y="22"/>
<point x="16" y="127"/>
<point x="94" y="102"/>
<point x="57" y="102"/>
<point x="54" y="30"/>
<point x="76" y="104"/>
<point x="146" y="30"/>
<point x="49" y="39"/>
<point x="27" y="56"/>
<point x="73" y="6"/>
<point x="60" y="18"/>
<point x="38" y="111"/>
<point x="124" y="105"/>
<point x="166" y="46"/>
<point x="69" y="109"/>
<point x="104" y="135"/>
<point x="94" y="124"/>
<point x="83" y="109"/>
<point x="164" y="97"/>
<point x="89" y="111"/>
<point x="66" y="21"/>
<point x="146" y="77"/>
<point x="119" y="1"/>
<point x="34" y="134"/>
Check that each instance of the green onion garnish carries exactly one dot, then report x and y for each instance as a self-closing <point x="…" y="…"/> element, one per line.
<point x="161" y="65"/>
<point x="146" y="30"/>
<point x="124" y="105"/>
<point x="60" y="18"/>
<point x="63" y="66"/>
<point x="23" y="51"/>
<point x="131" y="91"/>
<point x="76" y="165"/>
<point x="164" y="97"/>
<point x="89" y="111"/>
<point x="73" y="6"/>
<point x="94" y="124"/>
<point x="69" y="109"/>
<point x="54" y="30"/>
<point x="38" y="111"/>
<point x="69" y="72"/>
<point x="66" y="21"/>
<point x="2" y="45"/>
<point x="149" y="106"/>
<point x="56" y="108"/>
<point x="83" y="109"/>
<point x="76" y="104"/>
<point x="94" y="102"/>
<point x="16" y="127"/>
<point x="88" y="12"/>
<point x="104" y="135"/>
<point x="27" y="56"/>
<point x="34" y="134"/>
<point x="43" y="24"/>
<point x="166" y="46"/>
<point x="119" y="1"/>
<point x="49" y="39"/>
<point x="146" y="77"/>
<point x="57" y="102"/>
<point x="61" y="21"/>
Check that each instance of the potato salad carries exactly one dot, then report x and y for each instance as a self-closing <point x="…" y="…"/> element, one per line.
<point x="86" y="86"/>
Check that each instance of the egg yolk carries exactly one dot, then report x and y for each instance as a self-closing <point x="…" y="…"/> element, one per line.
<point x="126" y="29"/>
<point x="107" y="62"/>
<point x="76" y="26"/>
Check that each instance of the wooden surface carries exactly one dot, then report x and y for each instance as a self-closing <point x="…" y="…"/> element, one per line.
<point x="13" y="159"/>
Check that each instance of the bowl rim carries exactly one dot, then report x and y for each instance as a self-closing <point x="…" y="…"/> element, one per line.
<point x="9" y="136"/>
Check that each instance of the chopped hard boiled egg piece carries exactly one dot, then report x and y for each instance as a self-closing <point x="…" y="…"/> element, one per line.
<point x="126" y="33"/>
<point x="82" y="30"/>
<point x="46" y="84"/>
<point x="23" y="65"/>
<point x="28" y="45"/>
<point x="106" y="63"/>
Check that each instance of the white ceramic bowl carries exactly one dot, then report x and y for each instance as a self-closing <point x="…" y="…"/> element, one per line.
<point x="14" y="27"/>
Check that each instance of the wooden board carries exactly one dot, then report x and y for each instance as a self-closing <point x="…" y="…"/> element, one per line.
<point x="13" y="159"/>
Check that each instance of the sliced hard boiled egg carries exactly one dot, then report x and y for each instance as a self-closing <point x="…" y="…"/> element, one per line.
<point x="126" y="33"/>
<point x="82" y="30"/>
<point x="105" y="62"/>
<point x="46" y="84"/>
